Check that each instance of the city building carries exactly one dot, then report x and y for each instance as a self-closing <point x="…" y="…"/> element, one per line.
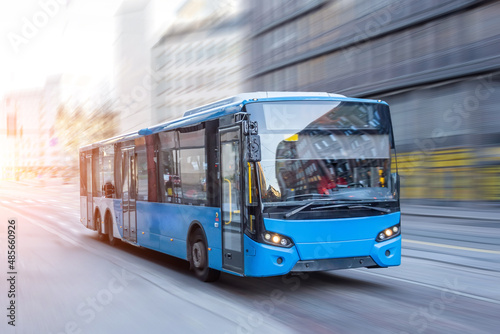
<point x="42" y="128"/>
<point x="436" y="63"/>
<point x="30" y="142"/>
<point x="132" y="64"/>
<point x="200" y="58"/>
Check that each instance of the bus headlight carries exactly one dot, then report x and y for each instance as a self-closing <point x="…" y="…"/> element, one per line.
<point x="276" y="239"/>
<point x="389" y="233"/>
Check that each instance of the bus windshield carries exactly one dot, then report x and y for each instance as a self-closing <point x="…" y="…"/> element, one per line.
<point x="313" y="150"/>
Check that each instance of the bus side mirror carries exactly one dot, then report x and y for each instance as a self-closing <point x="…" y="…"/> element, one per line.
<point x="396" y="181"/>
<point x="253" y="148"/>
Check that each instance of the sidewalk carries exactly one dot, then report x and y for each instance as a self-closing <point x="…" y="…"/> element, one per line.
<point x="479" y="213"/>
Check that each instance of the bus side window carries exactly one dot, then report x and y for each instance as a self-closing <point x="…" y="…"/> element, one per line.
<point x="152" y="167"/>
<point x="107" y="155"/>
<point x="96" y="178"/>
<point x="83" y="175"/>
<point x="117" y="168"/>
<point x="169" y="178"/>
<point x="142" y="170"/>
<point x="193" y="165"/>
<point x="193" y="175"/>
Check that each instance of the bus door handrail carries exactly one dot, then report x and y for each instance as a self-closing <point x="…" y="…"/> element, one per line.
<point x="230" y="204"/>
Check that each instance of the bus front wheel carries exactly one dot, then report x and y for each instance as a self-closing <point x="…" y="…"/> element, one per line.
<point x="199" y="259"/>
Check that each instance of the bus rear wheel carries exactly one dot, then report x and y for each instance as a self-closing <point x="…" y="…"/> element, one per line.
<point x="98" y="228"/>
<point x="199" y="259"/>
<point x="109" y="224"/>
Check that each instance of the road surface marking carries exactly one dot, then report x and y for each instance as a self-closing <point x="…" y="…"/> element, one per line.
<point x="463" y="294"/>
<point x="50" y="230"/>
<point x="450" y="246"/>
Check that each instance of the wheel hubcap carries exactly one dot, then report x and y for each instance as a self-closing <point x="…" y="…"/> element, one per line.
<point x="198" y="255"/>
<point x="110" y="231"/>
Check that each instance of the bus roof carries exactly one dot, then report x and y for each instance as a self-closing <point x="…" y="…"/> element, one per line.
<point x="240" y="98"/>
<point x="221" y="108"/>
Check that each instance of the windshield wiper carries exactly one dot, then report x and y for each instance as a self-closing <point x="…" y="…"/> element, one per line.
<point x="370" y="207"/>
<point x="300" y="208"/>
<point x="347" y="205"/>
<point x="351" y="206"/>
<point x="312" y="197"/>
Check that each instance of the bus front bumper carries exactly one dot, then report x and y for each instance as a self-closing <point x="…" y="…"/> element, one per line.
<point x="266" y="260"/>
<point x="333" y="264"/>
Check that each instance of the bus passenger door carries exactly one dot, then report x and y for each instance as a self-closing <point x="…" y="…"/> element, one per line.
<point x="129" y="181"/>
<point x="231" y="199"/>
<point x="90" y="200"/>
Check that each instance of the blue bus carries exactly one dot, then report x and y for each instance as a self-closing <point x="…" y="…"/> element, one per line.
<point x="259" y="184"/>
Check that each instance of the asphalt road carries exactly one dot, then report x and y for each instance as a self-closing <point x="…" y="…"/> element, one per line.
<point x="68" y="281"/>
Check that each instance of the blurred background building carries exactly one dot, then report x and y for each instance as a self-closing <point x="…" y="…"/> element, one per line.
<point x="22" y="147"/>
<point x="132" y="64"/>
<point x="436" y="63"/>
<point x="201" y="57"/>
<point x="165" y="62"/>
<point x="45" y="126"/>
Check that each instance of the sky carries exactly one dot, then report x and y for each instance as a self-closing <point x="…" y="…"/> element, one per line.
<point x="45" y="37"/>
<point x="40" y="38"/>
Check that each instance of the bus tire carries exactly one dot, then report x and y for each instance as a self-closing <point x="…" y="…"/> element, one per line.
<point x="199" y="259"/>
<point x="109" y="224"/>
<point x="98" y="227"/>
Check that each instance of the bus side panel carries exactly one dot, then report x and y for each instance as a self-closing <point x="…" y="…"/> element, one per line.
<point x="148" y="224"/>
<point x="118" y="214"/>
<point x="83" y="210"/>
<point x="165" y="227"/>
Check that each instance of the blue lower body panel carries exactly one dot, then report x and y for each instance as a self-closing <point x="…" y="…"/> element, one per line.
<point x="317" y="243"/>
<point x="387" y="253"/>
<point x="164" y="227"/>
